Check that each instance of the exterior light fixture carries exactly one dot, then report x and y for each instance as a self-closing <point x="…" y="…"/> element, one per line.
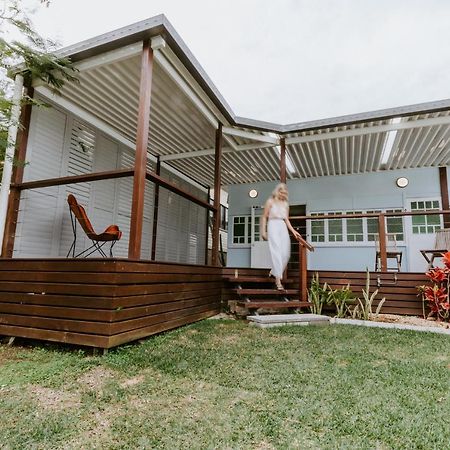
<point x="402" y="182"/>
<point x="253" y="193"/>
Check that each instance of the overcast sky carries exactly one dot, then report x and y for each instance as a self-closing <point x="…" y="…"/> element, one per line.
<point x="288" y="61"/>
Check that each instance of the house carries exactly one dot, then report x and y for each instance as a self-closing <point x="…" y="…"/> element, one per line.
<point x="142" y="141"/>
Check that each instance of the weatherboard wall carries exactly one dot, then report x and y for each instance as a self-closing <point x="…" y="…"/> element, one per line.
<point x="337" y="193"/>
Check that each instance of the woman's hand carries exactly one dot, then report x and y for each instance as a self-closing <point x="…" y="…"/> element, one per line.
<point x="264" y="236"/>
<point x="297" y="235"/>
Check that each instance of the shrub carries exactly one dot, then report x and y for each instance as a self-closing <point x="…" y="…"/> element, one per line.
<point x="436" y="296"/>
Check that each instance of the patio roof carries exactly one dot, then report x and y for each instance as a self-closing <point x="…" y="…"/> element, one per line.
<point x="186" y="109"/>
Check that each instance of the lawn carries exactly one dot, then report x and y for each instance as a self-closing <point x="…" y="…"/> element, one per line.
<point x="224" y="384"/>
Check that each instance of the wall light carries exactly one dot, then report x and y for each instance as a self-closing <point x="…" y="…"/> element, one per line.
<point x="402" y="182"/>
<point x="253" y="193"/>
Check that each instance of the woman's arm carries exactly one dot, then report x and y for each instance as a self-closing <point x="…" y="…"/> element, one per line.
<point x="264" y="218"/>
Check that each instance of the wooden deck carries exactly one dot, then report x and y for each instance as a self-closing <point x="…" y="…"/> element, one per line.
<point x="105" y="303"/>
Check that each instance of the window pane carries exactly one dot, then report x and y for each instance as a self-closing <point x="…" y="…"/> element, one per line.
<point x="355" y="228"/>
<point x="317" y="229"/>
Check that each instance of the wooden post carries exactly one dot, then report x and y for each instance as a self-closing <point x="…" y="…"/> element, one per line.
<point x="217" y="184"/>
<point x="140" y="160"/>
<point x="155" y="210"/>
<point x="443" y="182"/>
<point x="282" y="160"/>
<point x="207" y="227"/>
<point x="17" y="178"/>
<point x="303" y="272"/>
<point x="382" y="237"/>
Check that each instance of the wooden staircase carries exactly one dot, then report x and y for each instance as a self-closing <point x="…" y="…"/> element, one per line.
<point x="254" y="293"/>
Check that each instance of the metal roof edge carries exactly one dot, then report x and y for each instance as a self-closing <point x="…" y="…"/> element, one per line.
<point x="160" y="25"/>
<point x="380" y="114"/>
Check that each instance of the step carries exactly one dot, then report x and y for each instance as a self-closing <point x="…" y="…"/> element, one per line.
<point x="273" y="304"/>
<point x="246" y="291"/>
<point x="278" y="320"/>
<point x="256" y="280"/>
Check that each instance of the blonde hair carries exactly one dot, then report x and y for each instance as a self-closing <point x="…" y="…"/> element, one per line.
<point x="277" y="190"/>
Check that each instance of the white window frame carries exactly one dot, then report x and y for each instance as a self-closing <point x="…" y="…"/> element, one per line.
<point x="345" y="243"/>
<point x="247" y="235"/>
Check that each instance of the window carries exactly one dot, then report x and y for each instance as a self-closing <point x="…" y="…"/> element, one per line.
<point x="394" y="225"/>
<point x="223" y="217"/>
<point x="335" y="229"/>
<point x="317" y="229"/>
<point x="372" y="226"/>
<point x="241" y="229"/>
<point x="425" y="224"/>
<point x="355" y="230"/>
<point x="358" y="229"/>
<point x="257" y="229"/>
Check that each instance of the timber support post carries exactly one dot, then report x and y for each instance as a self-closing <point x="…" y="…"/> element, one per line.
<point x="382" y="238"/>
<point x="217" y="184"/>
<point x="282" y="160"/>
<point x="140" y="159"/>
<point x="19" y="159"/>
<point x="155" y="209"/>
<point x="303" y="273"/>
<point x="443" y="183"/>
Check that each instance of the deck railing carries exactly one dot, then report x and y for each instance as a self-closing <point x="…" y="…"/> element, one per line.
<point x="17" y="188"/>
<point x="304" y="246"/>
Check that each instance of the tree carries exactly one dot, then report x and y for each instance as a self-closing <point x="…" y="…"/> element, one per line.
<point x="23" y="49"/>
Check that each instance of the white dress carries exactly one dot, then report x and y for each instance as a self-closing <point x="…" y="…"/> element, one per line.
<point x="278" y="237"/>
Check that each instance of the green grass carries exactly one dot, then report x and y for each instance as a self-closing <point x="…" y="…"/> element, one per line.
<point x="223" y="384"/>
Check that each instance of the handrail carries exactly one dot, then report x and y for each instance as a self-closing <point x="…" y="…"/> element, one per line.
<point x="381" y="224"/>
<point x="97" y="176"/>
<point x="303" y="246"/>
<point x="368" y="215"/>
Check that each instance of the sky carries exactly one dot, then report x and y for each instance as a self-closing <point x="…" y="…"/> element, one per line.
<point x="288" y="61"/>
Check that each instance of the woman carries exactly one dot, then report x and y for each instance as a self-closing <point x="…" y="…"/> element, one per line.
<point x="276" y="217"/>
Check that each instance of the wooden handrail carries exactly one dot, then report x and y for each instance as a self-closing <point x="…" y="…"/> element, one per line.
<point x="175" y="189"/>
<point x="121" y="173"/>
<point x="368" y="215"/>
<point x="303" y="246"/>
<point x="381" y="231"/>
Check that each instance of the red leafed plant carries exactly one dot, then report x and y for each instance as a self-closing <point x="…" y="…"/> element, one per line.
<point x="437" y="296"/>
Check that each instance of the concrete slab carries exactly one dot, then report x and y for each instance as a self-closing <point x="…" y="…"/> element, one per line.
<point x="277" y="320"/>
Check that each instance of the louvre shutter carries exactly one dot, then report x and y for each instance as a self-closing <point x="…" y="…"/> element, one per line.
<point x="36" y="226"/>
<point x="181" y="225"/>
<point x="123" y="214"/>
<point x="79" y="161"/>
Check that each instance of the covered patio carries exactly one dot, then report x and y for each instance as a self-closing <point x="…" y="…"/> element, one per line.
<point x="146" y="141"/>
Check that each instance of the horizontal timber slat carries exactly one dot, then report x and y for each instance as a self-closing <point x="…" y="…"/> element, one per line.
<point x="92" y="301"/>
<point x="107" y="302"/>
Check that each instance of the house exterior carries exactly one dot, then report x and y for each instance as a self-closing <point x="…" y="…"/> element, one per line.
<point x="346" y="244"/>
<point x="143" y="141"/>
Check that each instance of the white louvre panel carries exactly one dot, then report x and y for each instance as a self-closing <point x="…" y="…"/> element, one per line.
<point x="123" y="209"/>
<point x="103" y="205"/>
<point x="38" y="207"/>
<point x="181" y="225"/>
<point x="79" y="161"/>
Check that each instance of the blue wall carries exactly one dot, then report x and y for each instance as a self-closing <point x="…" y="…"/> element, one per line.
<point x="346" y="193"/>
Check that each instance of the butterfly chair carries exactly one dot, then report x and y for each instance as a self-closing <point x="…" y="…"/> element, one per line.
<point x="112" y="234"/>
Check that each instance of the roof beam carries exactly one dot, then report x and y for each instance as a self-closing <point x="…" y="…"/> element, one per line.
<point x="210" y="151"/>
<point x="110" y="57"/>
<point x="248" y="135"/>
<point x="92" y="120"/>
<point x="183" y="84"/>
<point x="369" y="130"/>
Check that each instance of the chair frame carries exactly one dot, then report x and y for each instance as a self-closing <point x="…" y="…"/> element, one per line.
<point x="390" y="254"/>
<point x="97" y="245"/>
<point x="439" y="244"/>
